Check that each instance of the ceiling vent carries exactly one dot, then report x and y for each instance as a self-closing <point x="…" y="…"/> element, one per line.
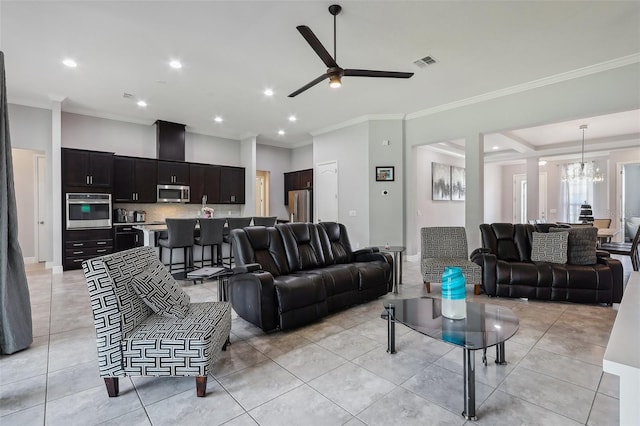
<point x="425" y="62"/>
<point x="127" y="95"/>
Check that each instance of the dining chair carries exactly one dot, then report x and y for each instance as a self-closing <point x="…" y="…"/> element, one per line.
<point x="179" y="235"/>
<point x="211" y="235"/>
<point x="264" y="220"/>
<point x="625" y="249"/>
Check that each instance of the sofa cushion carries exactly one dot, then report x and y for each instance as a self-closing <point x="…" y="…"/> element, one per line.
<point x="157" y="288"/>
<point x="582" y="245"/>
<point x="549" y="247"/>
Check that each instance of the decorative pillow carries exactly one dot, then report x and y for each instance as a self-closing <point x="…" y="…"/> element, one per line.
<point x="160" y="291"/>
<point x="582" y="245"/>
<point x="546" y="247"/>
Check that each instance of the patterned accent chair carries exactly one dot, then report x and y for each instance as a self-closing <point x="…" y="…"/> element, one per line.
<point x="447" y="246"/>
<point x="134" y="341"/>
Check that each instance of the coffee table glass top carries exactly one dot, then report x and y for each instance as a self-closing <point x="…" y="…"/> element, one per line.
<point x="485" y="325"/>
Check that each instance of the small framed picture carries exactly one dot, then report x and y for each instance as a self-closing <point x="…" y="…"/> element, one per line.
<point x="385" y="174"/>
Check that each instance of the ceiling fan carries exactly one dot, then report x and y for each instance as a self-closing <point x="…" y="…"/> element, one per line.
<point x="334" y="72"/>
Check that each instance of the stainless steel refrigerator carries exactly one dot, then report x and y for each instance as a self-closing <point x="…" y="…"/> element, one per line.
<point x="300" y="205"/>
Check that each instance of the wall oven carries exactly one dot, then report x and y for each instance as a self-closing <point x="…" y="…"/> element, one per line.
<point x="86" y="211"/>
<point x="173" y="194"/>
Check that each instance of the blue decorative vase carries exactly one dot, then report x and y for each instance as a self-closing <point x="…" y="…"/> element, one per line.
<point x="454" y="305"/>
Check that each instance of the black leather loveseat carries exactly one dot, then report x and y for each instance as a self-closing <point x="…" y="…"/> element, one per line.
<point x="507" y="269"/>
<point x="293" y="274"/>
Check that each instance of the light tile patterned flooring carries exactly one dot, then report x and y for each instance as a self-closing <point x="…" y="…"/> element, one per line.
<point x="334" y="372"/>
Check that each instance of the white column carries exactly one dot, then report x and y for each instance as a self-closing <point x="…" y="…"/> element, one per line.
<point x="56" y="181"/>
<point x="533" y="189"/>
<point x="248" y="159"/>
<point x="474" y="198"/>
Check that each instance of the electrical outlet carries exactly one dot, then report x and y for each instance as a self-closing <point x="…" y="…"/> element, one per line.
<point x="352" y="213"/>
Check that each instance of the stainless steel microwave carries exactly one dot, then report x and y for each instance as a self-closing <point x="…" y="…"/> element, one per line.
<point x="88" y="211"/>
<point x="173" y="194"/>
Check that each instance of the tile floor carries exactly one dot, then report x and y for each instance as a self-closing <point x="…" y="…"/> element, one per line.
<point x="334" y="372"/>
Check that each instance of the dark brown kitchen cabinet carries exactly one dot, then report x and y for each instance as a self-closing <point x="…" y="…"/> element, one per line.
<point x="134" y="180"/>
<point x="301" y="179"/>
<point x="204" y="179"/>
<point x="83" y="244"/>
<point x="125" y="237"/>
<point x="232" y="189"/>
<point x="86" y="169"/>
<point x="173" y="173"/>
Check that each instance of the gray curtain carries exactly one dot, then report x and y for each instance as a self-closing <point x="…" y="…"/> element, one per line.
<point x="16" y="332"/>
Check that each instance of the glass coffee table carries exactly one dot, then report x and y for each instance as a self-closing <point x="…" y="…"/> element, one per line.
<point x="485" y="325"/>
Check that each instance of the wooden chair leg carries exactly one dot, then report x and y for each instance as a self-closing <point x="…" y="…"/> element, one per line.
<point x="476" y="289"/>
<point x="113" y="387"/>
<point x="201" y="385"/>
<point x="427" y="285"/>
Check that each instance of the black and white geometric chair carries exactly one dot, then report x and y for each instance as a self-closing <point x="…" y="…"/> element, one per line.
<point x="447" y="246"/>
<point x="174" y="338"/>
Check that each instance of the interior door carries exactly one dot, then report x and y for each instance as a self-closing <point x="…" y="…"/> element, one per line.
<point x="520" y="198"/>
<point x="261" y="209"/>
<point x="326" y="192"/>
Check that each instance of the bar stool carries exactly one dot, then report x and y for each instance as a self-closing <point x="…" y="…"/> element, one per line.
<point x="179" y="235"/>
<point x="234" y="223"/>
<point x="211" y="235"/>
<point x="264" y="221"/>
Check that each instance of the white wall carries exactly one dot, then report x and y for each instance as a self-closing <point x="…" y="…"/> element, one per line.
<point x="429" y="212"/>
<point x="30" y="128"/>
<point x="276" y="161"/>
<point x="382" y="207"/>
<point x="349" y="147"/>
<point x="605" y="92"/>
<point x="301" y="158"/>
<point x="24" y="181"/>
<point x="493" y="211"/>
<point x="210" y="150"/>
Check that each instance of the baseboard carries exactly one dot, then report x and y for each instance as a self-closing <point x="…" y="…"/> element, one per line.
<point x="54" y="269"/>
<point x="412" y="257"/>
<point x="29" y="260"/>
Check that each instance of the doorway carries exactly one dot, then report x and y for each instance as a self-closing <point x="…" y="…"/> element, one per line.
<point x="629" y="198"/>
<point x="325" y="185"/>
<point x="262" y="193"/>
<point x="520" y="198"/>
<point x="43" y="219"/>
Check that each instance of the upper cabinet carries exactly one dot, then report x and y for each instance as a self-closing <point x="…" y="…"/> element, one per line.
<point x="204" y="181"/>
<point x="301" y="179"/>
<point x="87" y="169"/>
<point x="232" y="185"/>
<point x="134" y="180"/>
<point x="173" y="173"/>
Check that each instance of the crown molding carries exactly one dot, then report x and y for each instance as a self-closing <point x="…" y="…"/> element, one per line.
<point x="546" y="81"/>
<point x="358" y="120"/>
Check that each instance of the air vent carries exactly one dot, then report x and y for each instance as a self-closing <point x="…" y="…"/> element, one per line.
<point x="127" y="95"/>
<point x="425" y="62"/>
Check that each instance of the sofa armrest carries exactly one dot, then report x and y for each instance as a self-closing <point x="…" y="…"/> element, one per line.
<point x="369" y="257"/>
<point x="617" y="276"/>
<point x="602" y="253"/>
<point x="253" y="297"/>
<point x="249" y="267"/>
<point x="365" y="250"/>
<point x="477" y="252"/>
<point x="489" y="263"/>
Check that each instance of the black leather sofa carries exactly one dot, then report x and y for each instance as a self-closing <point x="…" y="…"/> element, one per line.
<point x="507" y="269"/>
<point x="293" y="274"/>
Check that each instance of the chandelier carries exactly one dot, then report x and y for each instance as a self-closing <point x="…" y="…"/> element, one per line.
<point x="582" y="172"/>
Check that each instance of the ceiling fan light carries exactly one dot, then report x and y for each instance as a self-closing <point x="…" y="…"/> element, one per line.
<point x="334" y="81"/>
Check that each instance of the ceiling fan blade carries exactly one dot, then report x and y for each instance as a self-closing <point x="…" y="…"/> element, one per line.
<point x="309" y="85"/>
<point x="370" y="73"/>
<point x="317" y="46"/>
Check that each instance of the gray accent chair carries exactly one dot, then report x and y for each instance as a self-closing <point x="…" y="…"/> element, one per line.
<point x="447" y="246"/>
<point x="134" y="341"/>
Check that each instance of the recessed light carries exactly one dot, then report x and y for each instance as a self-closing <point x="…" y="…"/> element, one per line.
<point x="281" y="132"/>
<point x="268" y="92"/>
<point x="70" y="63"/>
<point x="496" y="147"/>
<point x="292" y="118"/>
<point x="218" y="119"/>
<point x="175" y="64"/>
<point x="142" y="103"/>
<point x="542" y="163"/>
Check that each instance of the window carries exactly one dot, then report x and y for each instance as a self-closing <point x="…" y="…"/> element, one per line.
<point x="576" y="189"/>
